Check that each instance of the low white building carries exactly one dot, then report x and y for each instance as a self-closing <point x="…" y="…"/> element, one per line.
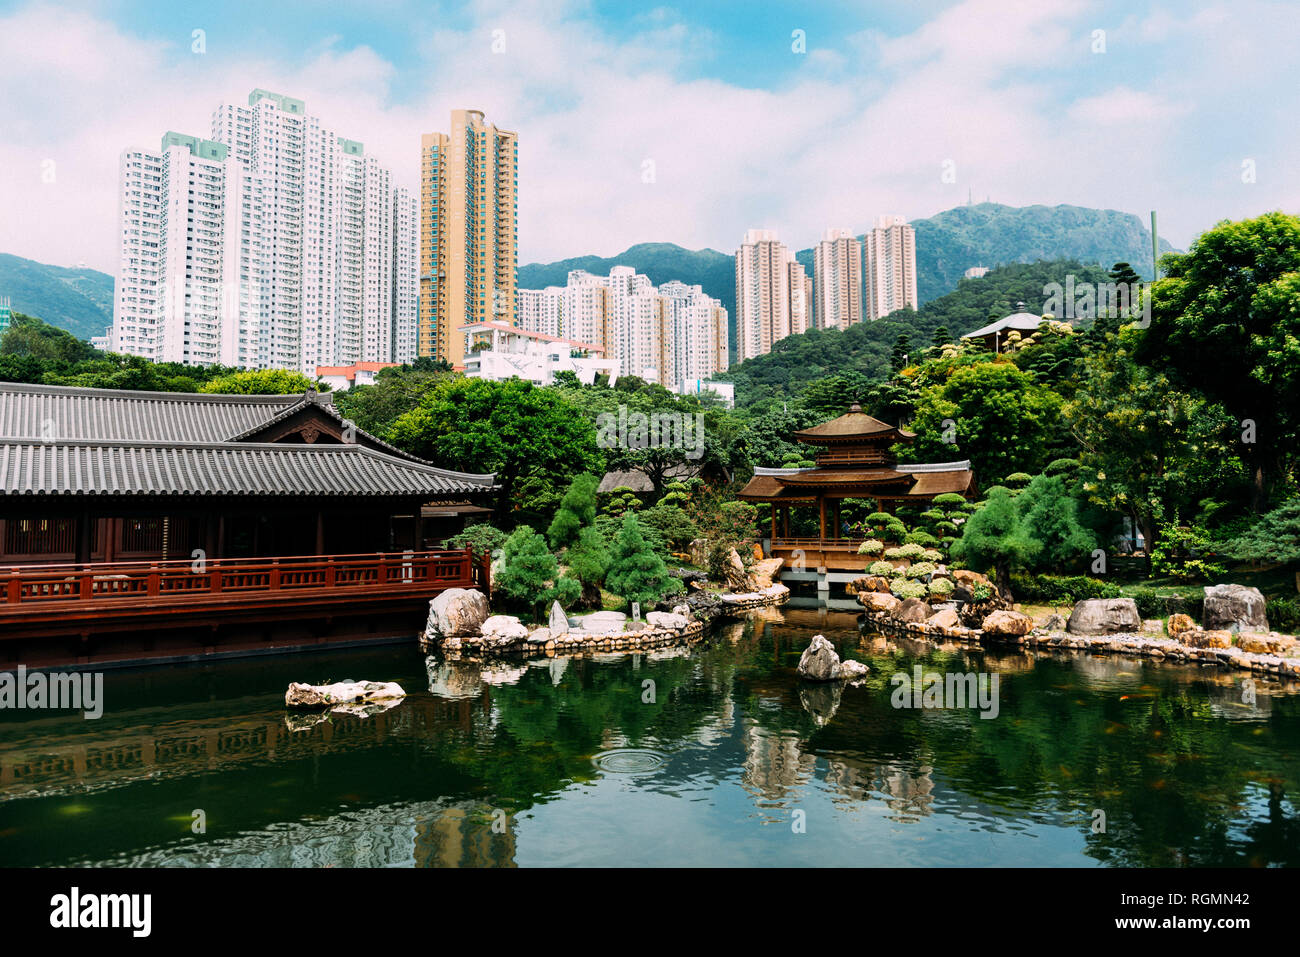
<point x="496" y="351"/>
<point x="340" y="378"/>
<point x="726" y="391"/>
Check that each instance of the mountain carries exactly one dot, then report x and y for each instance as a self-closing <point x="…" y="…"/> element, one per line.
<point x="78" y="300"/>
<point x="990" y="234"/>
<point x="662" y="262"/>
<point x="947" y="244"/>
<point x="865" y="348"/>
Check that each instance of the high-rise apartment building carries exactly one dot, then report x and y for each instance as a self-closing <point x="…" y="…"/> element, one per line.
<point x="406" y="275"/>
<point x="667" y="334"/>
<point x="890" y="266"/>
<point x="773" y="294"/>
<point x="837" y="280"/>
<point x="271" y="245"/>
<point x="469" y="233"/>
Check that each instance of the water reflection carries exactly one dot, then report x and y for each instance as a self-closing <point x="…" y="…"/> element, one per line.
<point x="686" y="756"/>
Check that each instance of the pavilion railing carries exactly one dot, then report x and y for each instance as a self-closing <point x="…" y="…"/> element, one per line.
<point x="846" y="544"/>
<point x="143" y="582"/>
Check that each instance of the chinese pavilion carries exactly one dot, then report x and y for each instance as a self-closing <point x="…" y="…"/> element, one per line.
<point x="854" y="460"/>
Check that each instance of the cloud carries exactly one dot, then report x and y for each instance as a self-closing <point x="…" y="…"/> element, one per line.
<point x="1009" y="96"/>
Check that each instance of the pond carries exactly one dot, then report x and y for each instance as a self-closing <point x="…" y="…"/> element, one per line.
<point x="717" y="755"/>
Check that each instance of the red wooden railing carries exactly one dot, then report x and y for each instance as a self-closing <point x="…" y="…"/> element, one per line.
<point x="289" y="577"/>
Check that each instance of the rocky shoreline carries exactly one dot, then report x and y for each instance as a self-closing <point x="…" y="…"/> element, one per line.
<point x="460" y="627"/>
<point x="1102" y="626"/>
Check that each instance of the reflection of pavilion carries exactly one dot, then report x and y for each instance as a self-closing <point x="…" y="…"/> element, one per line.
<point x="854" y="460"/>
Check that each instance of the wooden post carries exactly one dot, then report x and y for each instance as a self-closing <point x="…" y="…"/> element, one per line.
<point x="773" y="521"/>
<point x="821" y="517"/>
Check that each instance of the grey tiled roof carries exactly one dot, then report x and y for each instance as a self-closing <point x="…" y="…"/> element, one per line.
<point x="219" y="468"/>
<point x="62" y="413"/>
<point x="92" y="442"/>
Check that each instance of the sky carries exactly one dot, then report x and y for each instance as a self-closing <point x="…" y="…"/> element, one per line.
<point x="683" y="123"/>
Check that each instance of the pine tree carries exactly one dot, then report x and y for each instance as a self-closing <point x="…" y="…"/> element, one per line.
<point x="588" y="559"/>
<point x="577" y="510"/>
<point x="1049" y="525"/>
<point x="528" y="570"/>
<point x="636" y="573"/>
<point x="991" y="539"/>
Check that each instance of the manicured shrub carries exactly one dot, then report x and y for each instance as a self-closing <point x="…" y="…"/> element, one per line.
<point x="636" y="573"/>
<point x="880" y="568"/>
<point x="921" y="569"/>
<point x="894" y="553"/>
<point x="897" y="571"/>
<point x="1061" y="589"/>
<point x="577" y="509"/>
<point x="922" y="538"/>
<point x="911" y="550"/>
<point x="483" y="538"/>
<point x="906" y="589"/>
<point x="932" y="555"/>
<point x="872" y="546"/>
<point x="941" y="587"/>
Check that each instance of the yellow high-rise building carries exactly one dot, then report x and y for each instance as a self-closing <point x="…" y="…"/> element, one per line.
<point x="469" y="231"/>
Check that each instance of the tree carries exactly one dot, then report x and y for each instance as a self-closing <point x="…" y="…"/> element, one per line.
<point x="512" y="428"/>
<point x="397" y="390"/>
<point x="262" y="382"/>
<point x="1149" y="448"/>
<point x="990" y="539"/>
<point x="529" y="574"/>
<point x="577" y="510"/>
<point x="636" y="573"/>
<point x="588" y="561"/>
<point x="1049" y="525"/>
<point x="993" y="413"/>
<point x="899" y="357"/>
<point x="1225" y="320"/>
<point x="1275" y="538"/>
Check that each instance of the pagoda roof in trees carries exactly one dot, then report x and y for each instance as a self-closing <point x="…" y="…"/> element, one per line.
<point x="853" y="426"/>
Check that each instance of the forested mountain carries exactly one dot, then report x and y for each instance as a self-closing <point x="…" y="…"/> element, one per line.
<point x="867" y="347"/>
<point x="77" y="300"/>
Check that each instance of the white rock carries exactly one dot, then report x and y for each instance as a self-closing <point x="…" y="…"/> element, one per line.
<point x="340" y="693"/>
<point x="662" y="619"/>
<point x="504" y="626"/>
<point x="456" y="612"/>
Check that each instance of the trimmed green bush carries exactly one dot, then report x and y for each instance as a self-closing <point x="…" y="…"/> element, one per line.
<point x="941" y="587"/>
<point x="921" y="569"/>
<point x="1061" y="589"/>
<point x="872" y="546"/>
<point x="907" y="589"/>
<point x="932" y="555"/>
<point x="880" y="568"/>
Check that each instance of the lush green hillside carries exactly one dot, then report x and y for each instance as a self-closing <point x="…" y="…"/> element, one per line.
<point x="867" y="347"/>
<point x="662" y="262"/>
<point x="77" y="300"/>
<point x="990" y="234"/>
<point x="947" y="244"/>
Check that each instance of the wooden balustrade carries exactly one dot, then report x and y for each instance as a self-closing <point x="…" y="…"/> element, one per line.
<point x="109" y="585"/>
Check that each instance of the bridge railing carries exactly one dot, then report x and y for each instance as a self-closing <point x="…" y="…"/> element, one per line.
<point x="159" y="581"/>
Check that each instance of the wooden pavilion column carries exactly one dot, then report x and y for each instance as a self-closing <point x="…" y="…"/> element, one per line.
<point x="773" y="504"/>
<point x="821" y="517"/>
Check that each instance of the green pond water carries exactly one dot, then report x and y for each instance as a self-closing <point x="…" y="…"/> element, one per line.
<point x="718" y="755"/>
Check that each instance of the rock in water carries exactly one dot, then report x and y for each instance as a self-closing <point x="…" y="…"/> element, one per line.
<point x="663" y="619"/>
<point x="504" y="628"/>
<point x="1104" y="616"/>
<point x="850" y="669"/>
<point x="819" y="661"/>
<point x="456" y="613"/>
<point x="1234" y="607"/>
<point x="313" y="697"/>
<point x="559" y="621"/>
<point x="1007" y="624"/>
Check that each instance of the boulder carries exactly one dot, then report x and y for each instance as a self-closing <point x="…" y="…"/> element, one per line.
<point x="457" y="613"/>
<point x="943" y="621"/>
<point x="1007" y="624"/>
<point x="1152" y="626"/>
<point x="874" y="601"/>
<point x="850" y="669"/>
<point x="1104" y="616"/>
<point x="819" y="661"/>
<point x="683" y="610"/>
<point x="1053" y="622"/>
<point x="663" y="619"/>
<point x="1234" y="607"/>
<point x="307" y="697"/>
<point x="540" y="636"/>
<point x="1196" y="638"/>
<point x="912" y="609"/>
<point x="504" y="628"/>
<point x="1269" y="644"/>
<point x="967" y="577"/>
<point x="604" y="622"/>
<point x="961" y="594"/>
<point x="867" y="583"/>
<point x="558" y="621"/>
<point x="1179" y="623"/>
<point x="737" y="578"/>
<point x="764" y="572"/>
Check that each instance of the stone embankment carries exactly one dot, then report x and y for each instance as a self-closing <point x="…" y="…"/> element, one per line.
<point x="1240" y="641"/>
<point x="460" y="625"/>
